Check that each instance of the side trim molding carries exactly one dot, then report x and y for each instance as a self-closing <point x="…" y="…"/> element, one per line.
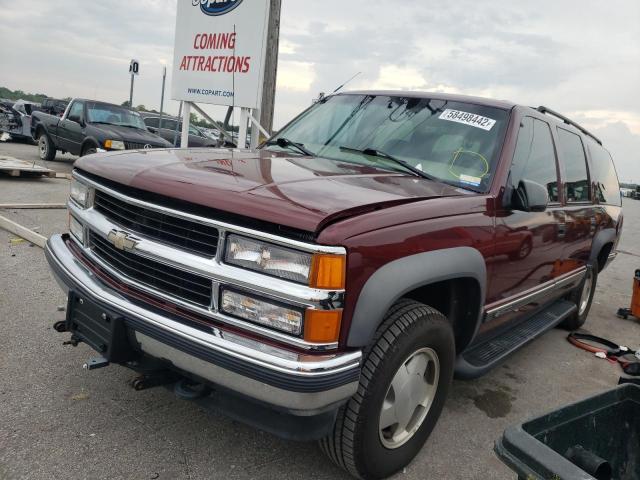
<point x="536" y="294"/>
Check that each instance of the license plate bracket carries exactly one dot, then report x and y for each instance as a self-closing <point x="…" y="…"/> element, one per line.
<point x="101" y="329"/>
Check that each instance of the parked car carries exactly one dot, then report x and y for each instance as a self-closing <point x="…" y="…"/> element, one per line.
<point x="90" y="126"/>
<point x="53" y="106"/>
<point x="171" y="128"/>
<point x="330" y="285"/>
<point x="15" y="118"/>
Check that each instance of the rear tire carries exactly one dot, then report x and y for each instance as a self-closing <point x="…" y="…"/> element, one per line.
<point x="46" y="148"/>
<point x="582" y="296"/>
<point x="412" y="357"/>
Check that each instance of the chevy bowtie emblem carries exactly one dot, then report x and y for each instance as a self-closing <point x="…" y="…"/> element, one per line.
<point x="122" y="240"/>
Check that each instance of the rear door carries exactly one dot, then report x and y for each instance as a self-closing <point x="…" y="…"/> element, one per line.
<point x="579" y="211"/>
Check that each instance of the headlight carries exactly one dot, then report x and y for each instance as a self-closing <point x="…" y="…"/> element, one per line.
<point x="262" y="312"/>
<point x="114" y="145"/>
<point x="75" y="227"/>
<point x="268" y="258"/>
<point x="318" y="271"/>
<point x="79" y="193"/>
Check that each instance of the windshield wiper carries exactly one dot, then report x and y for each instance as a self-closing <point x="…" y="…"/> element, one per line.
<point x="379" y="153"/>
<point x="286" y="143"/>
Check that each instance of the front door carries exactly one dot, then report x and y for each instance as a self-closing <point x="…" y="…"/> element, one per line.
<point x="71" y="129"/>
<point x="527" y="244"/>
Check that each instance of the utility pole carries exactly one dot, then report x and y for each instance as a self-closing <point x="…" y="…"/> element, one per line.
<point x="271" y="68"/>
<point x="164" y="79"/>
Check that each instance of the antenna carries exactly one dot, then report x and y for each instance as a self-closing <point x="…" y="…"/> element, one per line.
<point x="321" y="96"/>
<point x="342" y="86"/>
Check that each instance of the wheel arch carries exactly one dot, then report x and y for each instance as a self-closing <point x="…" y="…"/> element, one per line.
<point x="601" y="247"/>
<point x="451" y="280"/>
<point x="87" y="143"/>
<point x="38" y="130"/>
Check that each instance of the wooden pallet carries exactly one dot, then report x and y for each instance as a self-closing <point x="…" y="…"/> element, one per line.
<point x="19" y="168"/>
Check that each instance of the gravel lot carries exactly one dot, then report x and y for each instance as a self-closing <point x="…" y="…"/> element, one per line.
<point x="59" y="421"/>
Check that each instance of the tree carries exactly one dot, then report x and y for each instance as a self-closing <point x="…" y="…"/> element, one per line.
<point x="141" y="108"/>
<point x="125" y="104"/>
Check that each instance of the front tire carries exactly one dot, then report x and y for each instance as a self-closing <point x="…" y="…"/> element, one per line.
<point x="582" y="296"/>
<point x="403" y="386"/>
<point x="46" y="148"/>
<point x="90" y="150"/>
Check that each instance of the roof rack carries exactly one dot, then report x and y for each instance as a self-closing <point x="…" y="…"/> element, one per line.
<point x="568" y="121"/>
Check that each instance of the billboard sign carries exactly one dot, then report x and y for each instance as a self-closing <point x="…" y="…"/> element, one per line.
<point x="219" y="51"/>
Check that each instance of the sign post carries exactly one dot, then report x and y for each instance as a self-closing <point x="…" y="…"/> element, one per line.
<point x="134" y="69"/>
<point x="219" y="55"/>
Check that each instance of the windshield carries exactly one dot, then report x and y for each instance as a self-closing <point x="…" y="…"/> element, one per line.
<point x="454" y="142"/>
<point x="113" y="115"/>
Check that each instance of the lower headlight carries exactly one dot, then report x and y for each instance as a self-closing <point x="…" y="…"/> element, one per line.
<point x="262" y="312"/>
<point x="75" y="228"/>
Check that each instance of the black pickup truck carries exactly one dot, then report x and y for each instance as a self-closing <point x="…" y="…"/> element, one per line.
<point x="89" y="126"/>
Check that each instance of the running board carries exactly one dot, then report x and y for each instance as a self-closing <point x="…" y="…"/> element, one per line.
<point x="481" y="358"/>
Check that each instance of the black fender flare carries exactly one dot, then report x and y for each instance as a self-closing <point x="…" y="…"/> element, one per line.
<point x="602" y="238"/>
<point x="396" y="278"/>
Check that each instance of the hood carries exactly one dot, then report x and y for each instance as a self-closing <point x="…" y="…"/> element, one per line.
<point x="132" y="135"/>
<point x="305" y="193"/>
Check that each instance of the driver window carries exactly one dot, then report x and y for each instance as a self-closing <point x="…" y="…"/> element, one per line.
<point x="534" y="158"/>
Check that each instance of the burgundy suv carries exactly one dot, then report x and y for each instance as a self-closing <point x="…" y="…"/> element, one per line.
<point x="330" y="285"/>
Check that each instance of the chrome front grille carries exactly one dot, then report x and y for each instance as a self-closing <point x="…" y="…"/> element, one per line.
<point x="171" y="281"/>
<point x="185" y="234"/>
<point x="135" y="146"/>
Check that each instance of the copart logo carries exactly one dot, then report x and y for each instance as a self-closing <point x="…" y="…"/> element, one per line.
<point x="216" y="7"/>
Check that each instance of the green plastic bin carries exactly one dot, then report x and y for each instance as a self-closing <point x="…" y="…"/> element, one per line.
<point x="604" y="428"/>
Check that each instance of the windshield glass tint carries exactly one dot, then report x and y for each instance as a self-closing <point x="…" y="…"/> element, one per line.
<point x="114" y="115"/>
<point x="452" y="141"/>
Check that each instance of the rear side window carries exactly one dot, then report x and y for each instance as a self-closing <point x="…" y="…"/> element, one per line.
<point x="151" y="122"/>
<point x="574" y="163"/>
<point x="535" y="158"/>
<point x="603" y="175"/>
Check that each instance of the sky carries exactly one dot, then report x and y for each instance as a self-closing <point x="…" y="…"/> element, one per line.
<point x="579" y="57"/>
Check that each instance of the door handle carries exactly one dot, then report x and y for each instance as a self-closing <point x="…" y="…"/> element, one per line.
<point x="562" y="224"/>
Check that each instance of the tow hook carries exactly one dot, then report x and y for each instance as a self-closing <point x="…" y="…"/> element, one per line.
<point x="153" y="379"/>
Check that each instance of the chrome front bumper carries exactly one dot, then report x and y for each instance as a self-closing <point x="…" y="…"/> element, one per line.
<point x="302" y="384"/>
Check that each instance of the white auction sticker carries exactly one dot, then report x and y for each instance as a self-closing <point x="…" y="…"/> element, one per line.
<point x="467" y="118"/>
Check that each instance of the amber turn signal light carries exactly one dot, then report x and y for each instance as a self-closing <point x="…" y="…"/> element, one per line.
<point x="322" y="326"/>
<point x="328" y="271"/>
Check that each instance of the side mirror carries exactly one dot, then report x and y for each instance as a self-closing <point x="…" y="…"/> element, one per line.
<point x="74" y="118"/>
<point x="530" y="196"/>
<point x="152" y="129"/>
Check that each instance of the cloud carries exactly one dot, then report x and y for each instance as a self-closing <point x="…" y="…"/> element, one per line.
<point x="298" y="76"/>
<point x="580" y="57"/>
